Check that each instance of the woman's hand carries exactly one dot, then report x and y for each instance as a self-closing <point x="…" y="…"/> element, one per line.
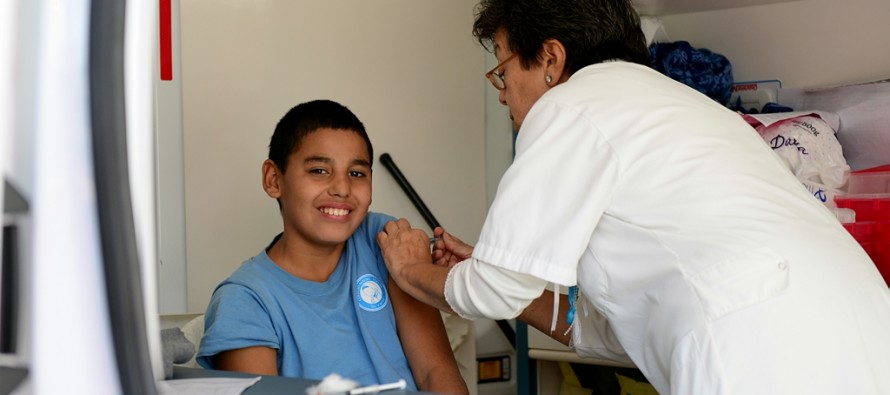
<point x="403" y="246"/>
<point x="406" y="252"/>
<point x="449" y="250"/>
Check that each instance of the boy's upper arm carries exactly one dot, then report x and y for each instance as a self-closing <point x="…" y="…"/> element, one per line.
<point x="235" y="319"/>
<point x="253" y="360"/>
<point x="425" y="343"/>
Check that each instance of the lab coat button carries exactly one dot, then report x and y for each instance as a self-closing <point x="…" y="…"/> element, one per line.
<point x="782" y="266"/>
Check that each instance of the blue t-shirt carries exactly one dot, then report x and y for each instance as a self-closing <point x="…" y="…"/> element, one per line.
<point x="344" y="325"/>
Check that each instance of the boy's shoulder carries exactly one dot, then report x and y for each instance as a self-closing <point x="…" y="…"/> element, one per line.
<point x="370" y="227"/>
<point x="375" y="221"/>
<point x="254" y="269"/>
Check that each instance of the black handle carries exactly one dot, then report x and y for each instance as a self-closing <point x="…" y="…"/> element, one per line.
<point x="387" y="162"/>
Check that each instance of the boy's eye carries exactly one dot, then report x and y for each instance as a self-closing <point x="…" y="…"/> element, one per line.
<point x="356" y="173"/>
<point x="318" y="171"/>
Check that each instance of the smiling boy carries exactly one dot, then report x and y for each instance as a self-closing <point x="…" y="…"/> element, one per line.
<point x="319" y="300"/>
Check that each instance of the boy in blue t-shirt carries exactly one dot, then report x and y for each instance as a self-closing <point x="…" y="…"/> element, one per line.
<point x="318" y="299"/>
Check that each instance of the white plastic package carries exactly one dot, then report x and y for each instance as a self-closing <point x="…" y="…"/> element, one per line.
<point x="333" y="384"/>
<point x="807" y="144"/>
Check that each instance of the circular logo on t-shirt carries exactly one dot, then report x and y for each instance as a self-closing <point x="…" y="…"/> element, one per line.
<point x="371" y="293"/>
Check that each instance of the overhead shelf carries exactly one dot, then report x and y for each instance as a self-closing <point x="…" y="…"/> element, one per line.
<point x="667" y="7"/>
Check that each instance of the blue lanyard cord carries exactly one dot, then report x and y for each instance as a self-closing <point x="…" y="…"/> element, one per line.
<point x="573" y="296"/>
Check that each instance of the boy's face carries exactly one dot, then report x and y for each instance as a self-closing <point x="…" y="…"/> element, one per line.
<point x="326" y="190"/>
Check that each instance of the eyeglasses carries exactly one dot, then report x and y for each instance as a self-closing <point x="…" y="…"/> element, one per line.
<point x="497" y="79"/>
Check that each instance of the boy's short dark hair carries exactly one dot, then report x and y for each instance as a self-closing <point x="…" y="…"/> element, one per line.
<point x="306" y="118"/>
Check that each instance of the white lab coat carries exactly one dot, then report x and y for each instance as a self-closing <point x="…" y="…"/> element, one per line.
<point x="716" y="270"/>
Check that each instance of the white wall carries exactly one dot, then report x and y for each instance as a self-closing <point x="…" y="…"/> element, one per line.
<point x="805" y="43"/>
<point x="171" y="181"/>
<point x="410" y="70"/>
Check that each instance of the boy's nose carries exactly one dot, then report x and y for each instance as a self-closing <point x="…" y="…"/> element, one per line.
<point x="339" y="186"/>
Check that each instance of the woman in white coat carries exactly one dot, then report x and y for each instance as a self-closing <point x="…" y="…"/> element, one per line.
<point x="698" y="256"/>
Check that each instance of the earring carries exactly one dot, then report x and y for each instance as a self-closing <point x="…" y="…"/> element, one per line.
<point x="548" y="79"/>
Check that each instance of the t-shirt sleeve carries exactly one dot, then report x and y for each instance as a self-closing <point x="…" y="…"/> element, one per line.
<point x="235" y="318"/>
<point x="373" y="225"/>
<point x="552" y="197"/>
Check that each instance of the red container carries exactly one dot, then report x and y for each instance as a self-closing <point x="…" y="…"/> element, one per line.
<point x="869" y="231"/>
<point x="874" y="169"/>
<point x="866" y="208"/>
<point x="879" y="252"/>
<point x="868" y="195"/>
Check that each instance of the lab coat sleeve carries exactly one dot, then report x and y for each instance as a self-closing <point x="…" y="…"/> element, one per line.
<point x="552" y="196"/>
<point x="475" y="289"/>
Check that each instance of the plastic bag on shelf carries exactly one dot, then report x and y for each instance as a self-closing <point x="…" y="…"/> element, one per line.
<point x="807" y="144"/>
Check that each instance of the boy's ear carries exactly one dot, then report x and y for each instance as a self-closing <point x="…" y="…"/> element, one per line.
<point x="271" y="179"/>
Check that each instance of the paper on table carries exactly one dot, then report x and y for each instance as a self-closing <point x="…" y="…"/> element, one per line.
<point x="206" y="386"/>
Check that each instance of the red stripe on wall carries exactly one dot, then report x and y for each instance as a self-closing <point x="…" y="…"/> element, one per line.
<point x="166" y="40"/>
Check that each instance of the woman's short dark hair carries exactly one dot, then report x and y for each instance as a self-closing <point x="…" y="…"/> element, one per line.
<point x="306" y="118"/>
<point x="592" y="31"/>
